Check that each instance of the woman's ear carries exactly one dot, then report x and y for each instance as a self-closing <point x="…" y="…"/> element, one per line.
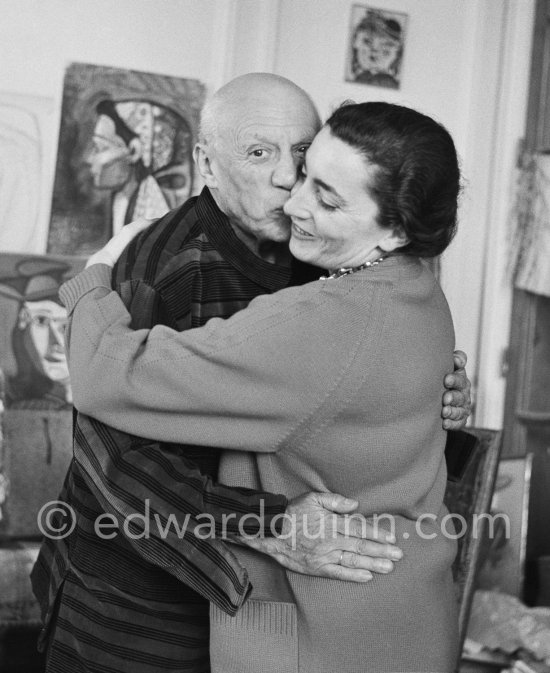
<point x="395" y="239"/>
<point x="136" y="150"/>
<point x="203" y="161"/>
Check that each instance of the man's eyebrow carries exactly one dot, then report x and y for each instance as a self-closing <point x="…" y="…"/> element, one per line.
<point x="259" y="139"/>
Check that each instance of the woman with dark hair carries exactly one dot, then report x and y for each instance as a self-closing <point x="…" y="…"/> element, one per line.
<point x="332" y="386"/>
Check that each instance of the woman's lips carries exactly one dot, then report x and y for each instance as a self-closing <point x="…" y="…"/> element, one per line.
<point x="301" y="232"/>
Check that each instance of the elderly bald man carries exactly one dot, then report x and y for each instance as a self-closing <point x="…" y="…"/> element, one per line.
<point x="131" y="592"/>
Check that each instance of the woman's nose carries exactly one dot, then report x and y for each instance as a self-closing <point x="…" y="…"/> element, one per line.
<point x="296" y="206"/>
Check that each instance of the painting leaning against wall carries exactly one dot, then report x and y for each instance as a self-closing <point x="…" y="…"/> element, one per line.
<point x="125" y="151"/>
<point x="26" y="147"/>
<point x="32" y="356"/>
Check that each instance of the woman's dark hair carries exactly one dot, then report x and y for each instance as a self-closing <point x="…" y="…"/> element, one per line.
<point x="417" y="181"/>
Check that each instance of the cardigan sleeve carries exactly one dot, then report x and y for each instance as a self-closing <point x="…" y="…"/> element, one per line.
<point x="245" y="383"/>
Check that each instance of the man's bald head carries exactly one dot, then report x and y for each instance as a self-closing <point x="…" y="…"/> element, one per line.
<point x="251" y="91"/>
<point x="254" y="135"/>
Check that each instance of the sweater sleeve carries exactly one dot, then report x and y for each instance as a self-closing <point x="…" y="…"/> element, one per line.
<point x="245" y="383"/>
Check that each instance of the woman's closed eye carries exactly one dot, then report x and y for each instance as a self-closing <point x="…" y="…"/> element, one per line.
<point x="324" y="204"/>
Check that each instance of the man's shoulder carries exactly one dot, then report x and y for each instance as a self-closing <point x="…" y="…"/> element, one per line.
<point x="152" y="250"/>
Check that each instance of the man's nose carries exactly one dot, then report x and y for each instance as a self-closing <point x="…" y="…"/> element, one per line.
<point x="285" y="173"/>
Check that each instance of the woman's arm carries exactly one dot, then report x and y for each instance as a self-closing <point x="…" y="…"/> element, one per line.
<point x="244" y="383"/>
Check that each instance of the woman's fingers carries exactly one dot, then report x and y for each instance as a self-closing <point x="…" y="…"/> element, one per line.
<point x="114" y="248"/>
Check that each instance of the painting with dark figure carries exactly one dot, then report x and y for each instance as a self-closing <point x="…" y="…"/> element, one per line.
<point x="32" y="355"/>
<point x="125" y="151"/>
<point x="375" y="50"/>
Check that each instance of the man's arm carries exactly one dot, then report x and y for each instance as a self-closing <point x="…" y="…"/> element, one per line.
<point x="178" y="519"/>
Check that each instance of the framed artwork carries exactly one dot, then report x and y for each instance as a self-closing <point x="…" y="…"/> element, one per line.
<point x="125" y="151"/>
<point x="32" y="357"/>
<point x="26" y="147"/>
<point x="503" y="564"/>
<point x="375" y="46"/>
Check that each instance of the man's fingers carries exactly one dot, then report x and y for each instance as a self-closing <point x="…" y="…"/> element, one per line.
<point x="460" y="359"/>
<point x="349" y="559"/>
<point x="361" y="547"/>
<point x="338" y="572"/>
<point x="454" y="413"/>
<point x="333" y="502"/>
<point x="359" y="527"/>
<point x="454" y="398"/>
<point x="458" y="381"/>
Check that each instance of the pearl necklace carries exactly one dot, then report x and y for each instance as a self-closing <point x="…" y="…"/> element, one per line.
<point x="346" y="270"/>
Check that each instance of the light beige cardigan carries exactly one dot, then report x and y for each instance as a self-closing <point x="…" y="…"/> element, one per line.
<point x="336" y="386"/>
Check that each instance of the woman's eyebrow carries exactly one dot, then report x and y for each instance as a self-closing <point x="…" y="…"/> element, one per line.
<point x="327" y="188"/>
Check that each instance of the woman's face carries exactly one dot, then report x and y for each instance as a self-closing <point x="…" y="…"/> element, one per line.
<point x="333" y="216"/>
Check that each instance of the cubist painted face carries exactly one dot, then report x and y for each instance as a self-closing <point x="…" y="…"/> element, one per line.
<point x="334" y="218"/>
<point x="375" y="52"/>
<point x="255" y="163"/>
<point x="110" y="158"/>
<point x="46" y="321"/>
<point x="175" y="182"/>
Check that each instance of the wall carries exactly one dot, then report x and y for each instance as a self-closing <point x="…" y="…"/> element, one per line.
<point x="466" y="63"/>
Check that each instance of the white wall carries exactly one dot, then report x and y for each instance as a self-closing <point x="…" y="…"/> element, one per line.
<point x="466" y="63"/>
<point x="39" y="37"/>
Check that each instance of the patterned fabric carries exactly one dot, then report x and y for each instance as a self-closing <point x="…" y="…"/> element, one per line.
<point x="139" y="602"/>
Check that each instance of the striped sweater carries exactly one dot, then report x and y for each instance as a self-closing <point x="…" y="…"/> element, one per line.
<point x="140" y="602"/>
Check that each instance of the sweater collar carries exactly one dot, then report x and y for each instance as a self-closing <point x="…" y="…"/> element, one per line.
<point x="221" y="235"/>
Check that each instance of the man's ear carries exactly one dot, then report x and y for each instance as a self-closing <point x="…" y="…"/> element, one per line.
<point x="396" y="238"/>
<point x="202" y="157"/>
<point x="136" y="150"/>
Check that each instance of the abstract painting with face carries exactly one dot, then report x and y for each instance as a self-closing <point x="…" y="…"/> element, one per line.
<point x="32" y="355"/>
<point x="375" y="49"/>
<point x="141" y="153"/>
<point x="125" y="151"/>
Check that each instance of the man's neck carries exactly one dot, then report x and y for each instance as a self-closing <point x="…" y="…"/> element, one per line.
<point x="270" y="251"/>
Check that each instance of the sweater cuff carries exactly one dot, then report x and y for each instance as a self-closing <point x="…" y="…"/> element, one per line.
<point x="274" y="520"/>
<point x="266" y="520"/>
<point x="95" y="276"/>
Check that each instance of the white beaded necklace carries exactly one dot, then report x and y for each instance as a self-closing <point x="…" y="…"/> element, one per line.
<point x="346" y="270"/>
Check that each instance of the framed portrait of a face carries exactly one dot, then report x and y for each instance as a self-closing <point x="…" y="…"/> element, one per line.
<point x="125" y="151"/>
<point x="375" y="46"/>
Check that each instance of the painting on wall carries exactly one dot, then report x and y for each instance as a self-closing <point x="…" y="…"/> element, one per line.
<point x="125" y="151"/>
<point x="32" y="356"/>
<point x="503" y="564"/>
<point x="375" y="46"/>
<point x="26" y="147"/>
